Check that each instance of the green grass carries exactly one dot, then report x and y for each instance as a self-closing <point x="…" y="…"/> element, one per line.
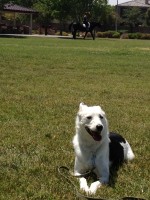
<point x="42" y="82"/>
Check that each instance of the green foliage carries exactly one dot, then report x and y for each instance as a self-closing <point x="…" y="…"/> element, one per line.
<point x="148" y="17"/>
<point x="69" y="9"/>
<point x="46" y="11"/>
<point x="124" y="36"/>
<point x="109" y="16"/>
<point x="108" y="34"/>
<point x="122" y="31"/>
<point x="27" y="3"/>
<point x="62" y="10"/>
<point x="135" y="36"/>
<point x="145" y="36"/>
<point x="62" y="34"/>
<point x="2" y="2"/>
<point x="99" y="10"/>
<point x="133" y="17"/>
<point x="78" y="8"/>
<point x="116" y="35"/>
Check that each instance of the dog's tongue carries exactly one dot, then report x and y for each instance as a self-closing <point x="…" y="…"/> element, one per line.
<point x="96" y="136"/>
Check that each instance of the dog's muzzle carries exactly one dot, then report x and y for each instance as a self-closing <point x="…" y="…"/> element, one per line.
<point x="96" y="134"/>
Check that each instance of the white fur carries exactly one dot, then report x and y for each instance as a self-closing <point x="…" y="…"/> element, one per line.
<point x="128" y="153"/>
<point x="90" y="153"/>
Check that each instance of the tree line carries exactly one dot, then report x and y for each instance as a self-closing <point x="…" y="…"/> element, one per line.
<point x="64" y="10"/>
<point x="73" y="10"/>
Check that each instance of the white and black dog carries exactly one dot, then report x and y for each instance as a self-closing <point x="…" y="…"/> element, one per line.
<point x="96" y="148"/>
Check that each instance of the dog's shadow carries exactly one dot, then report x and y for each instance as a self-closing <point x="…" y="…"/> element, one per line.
<point x="114" y="174"/>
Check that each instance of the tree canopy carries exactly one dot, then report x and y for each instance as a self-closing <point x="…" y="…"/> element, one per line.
<point x="65" y="9"/>
<point x="73" y="10"/>
<point x="148" y="17"/>
<point x="133" y="17"/>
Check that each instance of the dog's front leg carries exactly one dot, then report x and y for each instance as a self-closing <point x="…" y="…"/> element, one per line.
<point x="79" y="170"/>
<point x="102" y="172"/>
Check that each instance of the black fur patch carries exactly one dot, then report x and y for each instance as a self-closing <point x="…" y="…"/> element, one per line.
<point x="116" y="153"/>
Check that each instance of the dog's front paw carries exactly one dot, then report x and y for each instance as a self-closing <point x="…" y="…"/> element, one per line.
<point x="83" y="185"/>
<point x="94" y="186"/>
<point x="84" y="189"/>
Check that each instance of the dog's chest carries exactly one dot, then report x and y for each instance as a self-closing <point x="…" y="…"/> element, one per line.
<point x="88" y="158"/>
<point x="93" y="158"/>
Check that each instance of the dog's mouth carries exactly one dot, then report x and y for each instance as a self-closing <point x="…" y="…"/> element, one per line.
<point x="95" y="134"/>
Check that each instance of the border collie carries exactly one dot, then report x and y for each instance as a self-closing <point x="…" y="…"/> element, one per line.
<point x="96" y="148"/>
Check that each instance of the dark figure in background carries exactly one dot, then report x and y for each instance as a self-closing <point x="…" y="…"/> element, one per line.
<point x="76" y="26"/>
<point x="85" y="21"/>
<point x="85" y="26"/>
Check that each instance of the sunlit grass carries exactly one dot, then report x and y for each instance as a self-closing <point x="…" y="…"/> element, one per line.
<point x="42" y="82"/>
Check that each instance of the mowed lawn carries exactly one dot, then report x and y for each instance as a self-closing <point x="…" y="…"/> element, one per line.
<point x="42" y="82"/>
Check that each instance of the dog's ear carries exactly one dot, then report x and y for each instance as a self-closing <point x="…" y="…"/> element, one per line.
<point x="102" y="111"/>
<point x="82" y="106"/>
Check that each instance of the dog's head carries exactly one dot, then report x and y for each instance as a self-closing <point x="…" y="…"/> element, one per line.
<point x="92" y="120"/>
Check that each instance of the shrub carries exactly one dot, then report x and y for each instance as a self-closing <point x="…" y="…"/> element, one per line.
<point x="145" y="36"/>
<point x="63" y="33"/>
<point x="116" y="35"/>
<point x="131" y="36"/>
<point x="52" y="32"/>
<point x="123" y="31"/>
<point x="108" y="34"/>
<point x="82" y="34"/>
<point x="134" y="35"/>
<point x="88" y="34"/>
<point x="99" y="34"/>
<point x="57" y="33"/>
<point x="138" y="36"/>
<point x="125" y="36"/>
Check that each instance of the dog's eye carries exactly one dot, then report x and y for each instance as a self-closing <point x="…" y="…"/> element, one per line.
<point x="100" y="116"/>
<point x="89" y="117"/>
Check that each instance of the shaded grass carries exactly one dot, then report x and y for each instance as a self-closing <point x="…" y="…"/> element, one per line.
<point x="42" y="81"/>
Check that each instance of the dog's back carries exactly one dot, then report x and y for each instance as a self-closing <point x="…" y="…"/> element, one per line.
<point x="119" y="149"/>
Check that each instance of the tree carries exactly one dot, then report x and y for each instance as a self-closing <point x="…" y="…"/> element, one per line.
<point x="2" y="3"/>
<point x="147" y="17"/>
<point x="78" y="8"/>
<point x="27" y="3"/>
<point x="133" y="17"/>
<point x="46" y="12"/>
<point x="103" y="13"/>
<point x="96" y="8"/>
<point x="62" y="11"/>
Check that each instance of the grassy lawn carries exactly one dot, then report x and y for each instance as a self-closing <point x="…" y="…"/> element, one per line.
<point x="42" y="82"/>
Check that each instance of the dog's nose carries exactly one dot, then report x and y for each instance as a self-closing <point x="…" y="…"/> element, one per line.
<point x="99" y="127"/>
